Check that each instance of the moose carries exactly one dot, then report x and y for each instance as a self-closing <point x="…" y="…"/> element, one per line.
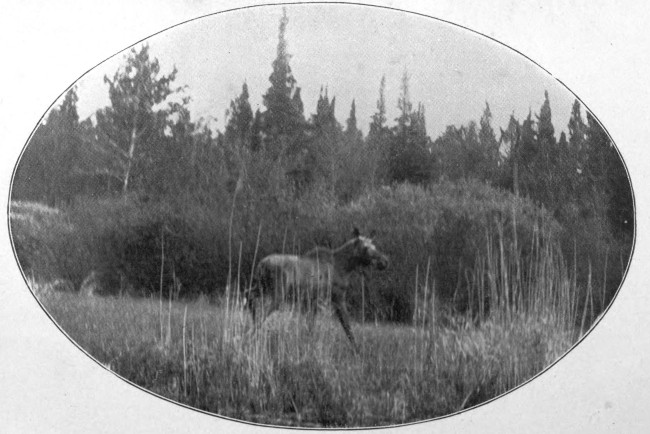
<point x="321" y="273"/>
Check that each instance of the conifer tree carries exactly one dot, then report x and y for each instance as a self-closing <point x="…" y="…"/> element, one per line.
<point x="527" y="154"/>
<point x="378" y="138"/>
<point x="325" y="142"/>
<point x="283" y="120"/>
<point x="378" y="123"/>
<point x="511" y="138"/>
<point x="352" y="132"/>
<point x="240" y="120"/>
<point x="47" y="168"/>
<point x="489" y="146"/>
<point x="545" y="129"/>
<point x="563" y="143"/>
<point x="408" y="154"/>
<point x="576" y="128"/>
<point x="547" y="167"/>
<point x="256" y="132"/>
<point x="324" y="120"/>
<point x="606" y="170"/>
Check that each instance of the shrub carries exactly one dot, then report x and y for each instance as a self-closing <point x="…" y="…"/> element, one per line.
<point x="446" y="225"/>
<point x="440" y="236"/>
<point x="45" y="242"/>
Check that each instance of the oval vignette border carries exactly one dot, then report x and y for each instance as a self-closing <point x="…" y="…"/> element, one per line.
<point x="343" y="4"/>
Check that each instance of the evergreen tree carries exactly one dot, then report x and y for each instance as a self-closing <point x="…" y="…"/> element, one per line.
<point x="450" y="153"/>
<point x="576" y="128"/>
<point x="257" y="135"/>
<point x="459" y="152"/>
<point x="526" y="156"/>
<point x="408" y="154"/>
<point x="353" y="133"/>
<point x="283" y="120"/>
<point x="547" y="167"/>
<point x="511" y="139"/>
<point x="378" y="124"/>
<point x="404" y="105"/>
<point x="573" y="151"/>
<point x="489" y="147"/>
<point x="474" y="154"/>
<point x="355" y="161"/>
<point x="325" y="141"/>
<point x="240" y="120"/>
<point x="378" y="138"/>
<point x="324" y="120"/>
<point x="606" y="170"/>
<point x="528" y="141"/>
<point x="545" y="129"/>
<point x="563" y="143"/>
<point x="47" y="170"/>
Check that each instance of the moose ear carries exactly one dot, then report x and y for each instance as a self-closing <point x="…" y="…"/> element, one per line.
<point x="355" y="232"/>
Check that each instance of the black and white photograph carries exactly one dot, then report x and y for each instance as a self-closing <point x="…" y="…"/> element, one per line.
<point x="327" y="216"/>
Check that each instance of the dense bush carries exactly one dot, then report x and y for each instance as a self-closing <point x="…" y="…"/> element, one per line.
<point x="445" y="225"/>
<point x="46" y="243"/>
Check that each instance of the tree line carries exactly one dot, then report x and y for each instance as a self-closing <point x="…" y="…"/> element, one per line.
<point x="145" y="144"/>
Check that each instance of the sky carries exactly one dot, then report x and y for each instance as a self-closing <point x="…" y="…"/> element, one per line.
<point x="346" y="48"/>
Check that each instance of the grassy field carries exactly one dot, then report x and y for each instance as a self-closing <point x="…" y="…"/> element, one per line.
<point x="486" y="300"/>
<point x="201" y="354"/>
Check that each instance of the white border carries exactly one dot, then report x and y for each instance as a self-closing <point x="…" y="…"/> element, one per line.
<point x="597" y="48"/>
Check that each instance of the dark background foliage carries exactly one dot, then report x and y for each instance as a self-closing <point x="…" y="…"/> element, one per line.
<point x="144" y="179"/>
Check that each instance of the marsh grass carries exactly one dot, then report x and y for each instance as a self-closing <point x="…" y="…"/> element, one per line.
<point x="205" y="355"/>
<point x="523" y="309"/>
<point x="283" y="375"/>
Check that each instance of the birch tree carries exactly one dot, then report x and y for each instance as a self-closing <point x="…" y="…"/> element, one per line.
<point x="133" y="121"/>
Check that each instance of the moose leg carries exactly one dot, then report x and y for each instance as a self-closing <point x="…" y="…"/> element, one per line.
<point x="341" y="311"/>
<point x="261" y="307"/>
<point x="259" y="303"/>
<point x="262" y="296"/>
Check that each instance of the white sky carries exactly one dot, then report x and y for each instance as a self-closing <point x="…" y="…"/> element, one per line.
<point x="347" y="48"/>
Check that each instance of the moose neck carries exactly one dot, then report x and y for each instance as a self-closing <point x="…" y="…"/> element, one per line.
<point x="344" y="256"/>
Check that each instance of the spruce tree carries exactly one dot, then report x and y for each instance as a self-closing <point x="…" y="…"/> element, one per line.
<point x="378" y="123"/>
<point x="408" y="154"/>
<point x="352" y="132"/>
<point x="545" y="129"/>
<point x="576" y="128"/>
<point x="325" y="141"/>
<point x="489" y="146"/>
<point x="240" y="120"/>
<point x="378" y="138"/>
<point x="527" y="155"/>
<point x="512" y="138"/>
<point x="283" y="120"/>
<point x="48" y="167"/>
<point x="547" y="167"/>
<point x="606" y="170"/>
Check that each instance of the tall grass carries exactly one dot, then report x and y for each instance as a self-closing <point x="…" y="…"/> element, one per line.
<point x="485" y="296"/>
<point x="446" y="223"/>
<point x="522" y="318"/>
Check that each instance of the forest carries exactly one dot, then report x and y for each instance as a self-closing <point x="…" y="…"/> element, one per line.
<point x="112" y="192"/>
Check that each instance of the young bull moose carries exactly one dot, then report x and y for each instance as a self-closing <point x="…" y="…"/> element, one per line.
<point x="320" y="273"/>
